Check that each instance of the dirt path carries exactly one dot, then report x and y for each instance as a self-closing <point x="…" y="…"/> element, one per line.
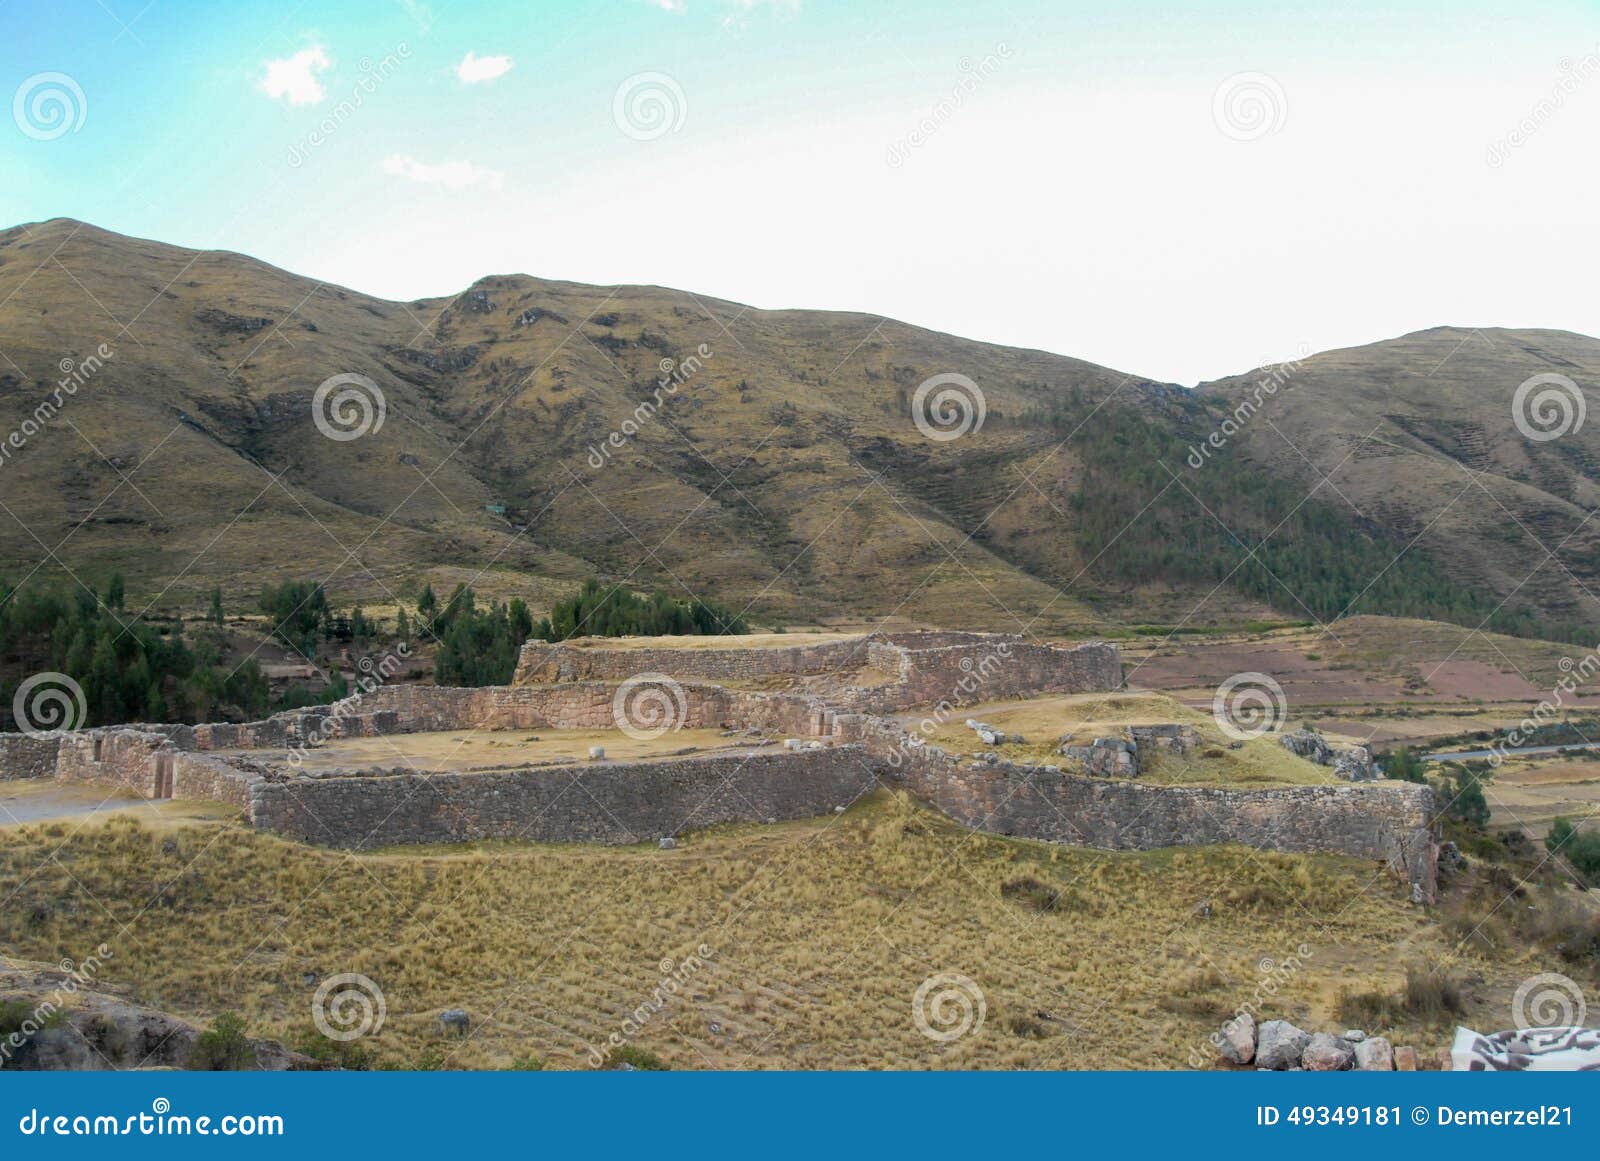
<point x="33" y="800"/>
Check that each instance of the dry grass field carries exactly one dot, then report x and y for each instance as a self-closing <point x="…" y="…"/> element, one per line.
<point x="818" y="933"/>
<point x="446" y="750"/>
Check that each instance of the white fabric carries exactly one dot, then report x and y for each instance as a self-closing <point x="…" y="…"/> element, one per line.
<point x="1527" y="1050"/>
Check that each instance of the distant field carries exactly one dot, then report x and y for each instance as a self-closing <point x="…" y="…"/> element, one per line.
<point x="818" y="932"/>
<point x="1533" y="793"/>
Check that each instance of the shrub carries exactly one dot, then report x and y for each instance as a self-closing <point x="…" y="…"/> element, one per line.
<point x="1581" y="849"/>
<point x="223" y="1047"/>
<point x="1032" y="893"/>
<point x="1430" y="996"/>
<point x="344" y="1054"/>
<point x="631" y="1056"/>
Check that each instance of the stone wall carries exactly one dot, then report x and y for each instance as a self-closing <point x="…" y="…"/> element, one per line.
<point x="1388" y="821"/>
<point x="28" y="755"/>
<point x="117" y="759"/>
<point x="927" y="668"/>
<point x="599" y="802"/>
<point x="995" y="669"/>
<point x="200" y="776"/>
<point x="543" y="662"/>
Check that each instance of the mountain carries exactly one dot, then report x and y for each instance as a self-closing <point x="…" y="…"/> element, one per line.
<point x="1420" y="435"/>
<point x="782" y="469"/>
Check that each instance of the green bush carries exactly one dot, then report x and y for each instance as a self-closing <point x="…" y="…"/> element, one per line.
<point x="601" y="611"/>
<point x="223" y="1047"/>
<point x="1580" y="848"/>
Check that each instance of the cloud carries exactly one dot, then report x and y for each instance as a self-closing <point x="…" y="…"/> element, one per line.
<point x="450" y="174"/>
<point x="669" y="5"/>
<point x="294" y="78"/>
<point x="474" y="69"/>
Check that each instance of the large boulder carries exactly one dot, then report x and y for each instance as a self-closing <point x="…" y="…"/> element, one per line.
<point x="1375" y="1055"/>
<point x="1279" y="1045"/>
<point x="1236" y="1041"/>
<point x="1308" y="744"/>
<point x="60" y="1048"/>
<point x="1325" y="1052"/>
<point x="1355" y="764"/>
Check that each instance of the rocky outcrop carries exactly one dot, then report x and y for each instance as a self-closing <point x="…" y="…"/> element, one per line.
<point x="1351" y="763"/>
<point x="56" y="1021"/>
<point x="1103" y="758"/>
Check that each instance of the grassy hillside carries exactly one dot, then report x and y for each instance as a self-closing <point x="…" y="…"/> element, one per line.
<point x="1419" y="435"/>
<point x="781" y="472"/>
<point x="1086" y="959"/>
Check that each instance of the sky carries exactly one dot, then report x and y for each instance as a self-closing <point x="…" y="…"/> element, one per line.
<point x="1177" y="190"/>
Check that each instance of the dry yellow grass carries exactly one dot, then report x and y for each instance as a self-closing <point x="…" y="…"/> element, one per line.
<point x="694" y="644"/>
<point x="466" y="749"/>
<point x="820" y="933"/>
<point x="1043" y="721"/>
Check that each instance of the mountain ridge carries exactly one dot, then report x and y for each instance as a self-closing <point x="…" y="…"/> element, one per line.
<point x="785" y="470"/>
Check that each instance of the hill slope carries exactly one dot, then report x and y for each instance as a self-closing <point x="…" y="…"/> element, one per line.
<point x="782" y="468"/>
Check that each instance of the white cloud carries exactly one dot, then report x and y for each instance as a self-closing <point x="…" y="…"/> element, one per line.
<point x="450" y="174"/>
<point x="669" y="5"/>
<point x="474" y="68"/>
<point x="294" y="78"/>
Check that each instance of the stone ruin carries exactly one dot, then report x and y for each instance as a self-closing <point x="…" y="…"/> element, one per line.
<point x="1351" y="763"/>
<point x="840" y="750"/>
<point x="1119" y="757"/>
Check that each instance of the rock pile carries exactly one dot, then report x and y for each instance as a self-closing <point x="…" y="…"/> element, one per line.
<point x="1351" y="763"/>
<point x="1279" y="1046"/>
<point x="1174" y="736"/>
<point x="1104" y="757"/>
<point x="990" y="736"/>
